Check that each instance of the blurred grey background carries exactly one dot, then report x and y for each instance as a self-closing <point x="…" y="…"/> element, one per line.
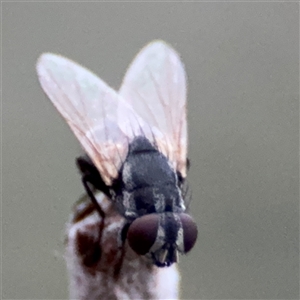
<point x="242" y="61"/>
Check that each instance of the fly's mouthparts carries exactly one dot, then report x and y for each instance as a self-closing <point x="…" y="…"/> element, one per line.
<point x="162" y="255"/>
<point x="176" y="256"/>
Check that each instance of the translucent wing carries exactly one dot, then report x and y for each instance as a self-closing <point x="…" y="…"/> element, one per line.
<point x="155" y="85"/>
<point x="90" y="107"/>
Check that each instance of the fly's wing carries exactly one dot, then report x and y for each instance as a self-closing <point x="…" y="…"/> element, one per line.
<point x="90" y="106"/>
<point x="155" y="85"/>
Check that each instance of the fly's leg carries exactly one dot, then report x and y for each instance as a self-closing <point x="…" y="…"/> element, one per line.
<point x="123" y="236"/>
<point x="85" y="181"/>
<point x="92" y="175"/>
<point x="92" y="180"/>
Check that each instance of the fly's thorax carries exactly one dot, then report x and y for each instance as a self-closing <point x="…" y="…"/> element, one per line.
<point x="147" y="182"/>
<point x="153" y="199"/>
<point x="148" y="200"/>
<point x="146" y="166"/>
<point x="162" y="237"/>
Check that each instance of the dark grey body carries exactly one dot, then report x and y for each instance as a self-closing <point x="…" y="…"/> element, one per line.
<point x="148" y="194"/>
<point x="147" y="183"/>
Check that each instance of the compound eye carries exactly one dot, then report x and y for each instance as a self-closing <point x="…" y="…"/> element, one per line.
<point x="190" y="231"/>
<point x="142" y="233"/>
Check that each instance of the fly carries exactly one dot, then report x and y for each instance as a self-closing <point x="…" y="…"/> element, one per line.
<point x="136" y="144"/>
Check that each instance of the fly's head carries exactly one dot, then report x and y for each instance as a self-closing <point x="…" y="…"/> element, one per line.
<point x="162" y="237"/>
